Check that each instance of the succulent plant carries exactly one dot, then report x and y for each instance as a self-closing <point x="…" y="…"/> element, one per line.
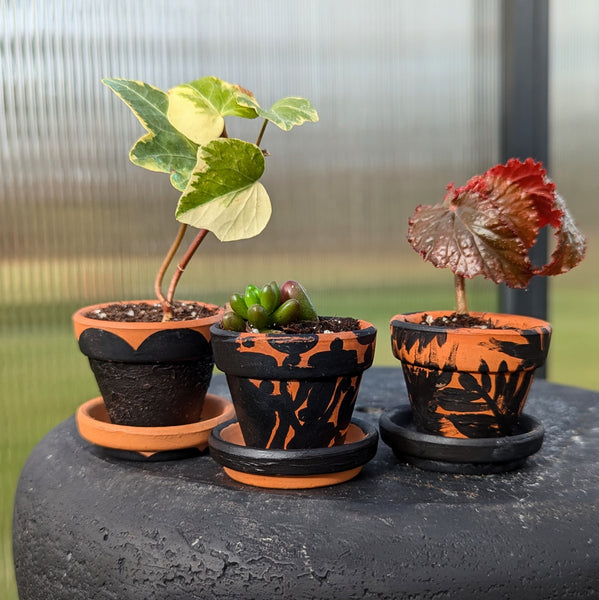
<point x="269" y="307"/>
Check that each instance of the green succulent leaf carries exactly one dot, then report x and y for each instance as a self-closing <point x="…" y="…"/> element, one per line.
<point x="197" y="109"/>
<point x="224" y="194"/>
<point x="163" y="148"/>
<point x="285" y="113"/>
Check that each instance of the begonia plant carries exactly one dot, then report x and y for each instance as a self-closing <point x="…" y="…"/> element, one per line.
<point x="489" y="226"/>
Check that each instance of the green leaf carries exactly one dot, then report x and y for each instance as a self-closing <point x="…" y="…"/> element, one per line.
<point x="285" y="113"/>
<point x="224" y="194"/>
<point x="197" y="109"/>
<point x="163" y="149"/>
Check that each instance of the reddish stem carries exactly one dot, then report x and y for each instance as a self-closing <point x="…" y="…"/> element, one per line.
<point x="262" y="129"/>
<point x="182" y="265"/>
<point x="166" y="306"/>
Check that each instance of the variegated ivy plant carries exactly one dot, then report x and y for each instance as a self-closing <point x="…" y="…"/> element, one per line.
<point x="489" y="226"/>
<point x="217" y="176"/>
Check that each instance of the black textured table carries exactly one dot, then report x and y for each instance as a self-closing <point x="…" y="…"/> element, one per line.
<point x="91" y="527"/>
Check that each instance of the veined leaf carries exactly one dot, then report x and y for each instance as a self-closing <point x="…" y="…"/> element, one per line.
<point x="197" y="109"/>
<point x="571" y="244"/>
<point x="163" y="149"/>
<point x="224" y="194"/>
<point x="488" y="226"/>
<point x="506" y="183"/>
<point x="285" y="113"/>
<point x="470" y="242"/>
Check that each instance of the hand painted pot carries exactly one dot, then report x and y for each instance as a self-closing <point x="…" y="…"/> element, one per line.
<point x="294" y="391"/>
<point x="149" y="374"/>
<point x="469" y="382"/>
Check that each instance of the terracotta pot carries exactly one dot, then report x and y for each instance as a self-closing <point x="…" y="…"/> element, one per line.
<point x="294" y="391"/>
<point x="469" y="382"/>
<point x="149" y="374"/>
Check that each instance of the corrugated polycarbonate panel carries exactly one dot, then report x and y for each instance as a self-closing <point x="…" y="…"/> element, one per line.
<point x="396" y="94"/>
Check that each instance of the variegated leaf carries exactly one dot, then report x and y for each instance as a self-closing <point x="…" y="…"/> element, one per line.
<point x="224" y="194"/>
<point x="197" y="109"/>
<point x="285" y="113"/>
<point x="163" y="149"/>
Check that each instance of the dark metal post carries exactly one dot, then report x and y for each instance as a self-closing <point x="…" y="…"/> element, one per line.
<point x="524" y="133"/>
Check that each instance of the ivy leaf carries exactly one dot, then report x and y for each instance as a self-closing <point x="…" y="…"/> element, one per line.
<point x="224" y="194"/>
<point x="488" y="226"/>
<point x="163" y="149"/>
<point x="285" y="113"/>
<point x="197" y="109"/>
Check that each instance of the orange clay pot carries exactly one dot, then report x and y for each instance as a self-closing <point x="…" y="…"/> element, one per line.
<point x="469" y="382"/>
<point x="294" y="391"/>
<point x="149" y="374"/>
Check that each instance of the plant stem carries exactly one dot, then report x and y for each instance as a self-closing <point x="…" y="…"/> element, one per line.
<point x="166" y="306"/>
<point x="261" y="134"/>
<point x="460" y="295"/>
<point x="180" y="268"/>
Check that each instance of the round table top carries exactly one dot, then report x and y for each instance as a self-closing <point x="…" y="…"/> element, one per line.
<point x="87" y="525"/>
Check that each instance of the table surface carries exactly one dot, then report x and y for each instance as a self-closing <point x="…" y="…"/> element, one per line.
<point x="90" y="526"/>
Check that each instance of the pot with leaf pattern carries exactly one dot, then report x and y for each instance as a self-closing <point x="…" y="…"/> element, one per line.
<point x="469" y="382"/>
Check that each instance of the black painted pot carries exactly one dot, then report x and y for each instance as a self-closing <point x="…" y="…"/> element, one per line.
<point x="149" y="374"/>
<point x="469" y="382"/>
<point x="294" y="391"/>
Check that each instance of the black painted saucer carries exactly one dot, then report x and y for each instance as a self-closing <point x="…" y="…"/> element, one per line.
<point x="293" y="468"/>
<point x="475" y="456"/>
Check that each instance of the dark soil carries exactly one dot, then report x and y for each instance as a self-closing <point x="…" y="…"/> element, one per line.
<point x="144" y="312"/>
<point x="323" y="325"/>
<point x="456" y="320"/>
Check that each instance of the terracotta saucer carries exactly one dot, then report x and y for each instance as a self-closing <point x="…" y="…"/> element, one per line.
<point x="157" y="443"/>
<point x="472" y="456"/>
<point x="293" y="468"/>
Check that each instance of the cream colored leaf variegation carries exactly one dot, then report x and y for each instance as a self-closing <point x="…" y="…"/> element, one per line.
<point x="163" y="148"/>
<point x="224" y="194"/>
<point x="238" y="215"/>
<point x="197" y="109"/>
<point x="285" y="113"/>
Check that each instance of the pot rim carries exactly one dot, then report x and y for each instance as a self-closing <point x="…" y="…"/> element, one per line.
<point x="366" y="328"/>
<point x="136" y="332"/>
<point x="79" y="317"/>
<point x="95" y="426"/>
<point x="357" y="449"/>
<point x="508" y="322"/>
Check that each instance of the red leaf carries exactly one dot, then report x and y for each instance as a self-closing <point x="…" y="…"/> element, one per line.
<point x="571" y="244"/>
<point x="470" y="242"/>
<point x="488" y="226"/>
<point x="528" y="178"/>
